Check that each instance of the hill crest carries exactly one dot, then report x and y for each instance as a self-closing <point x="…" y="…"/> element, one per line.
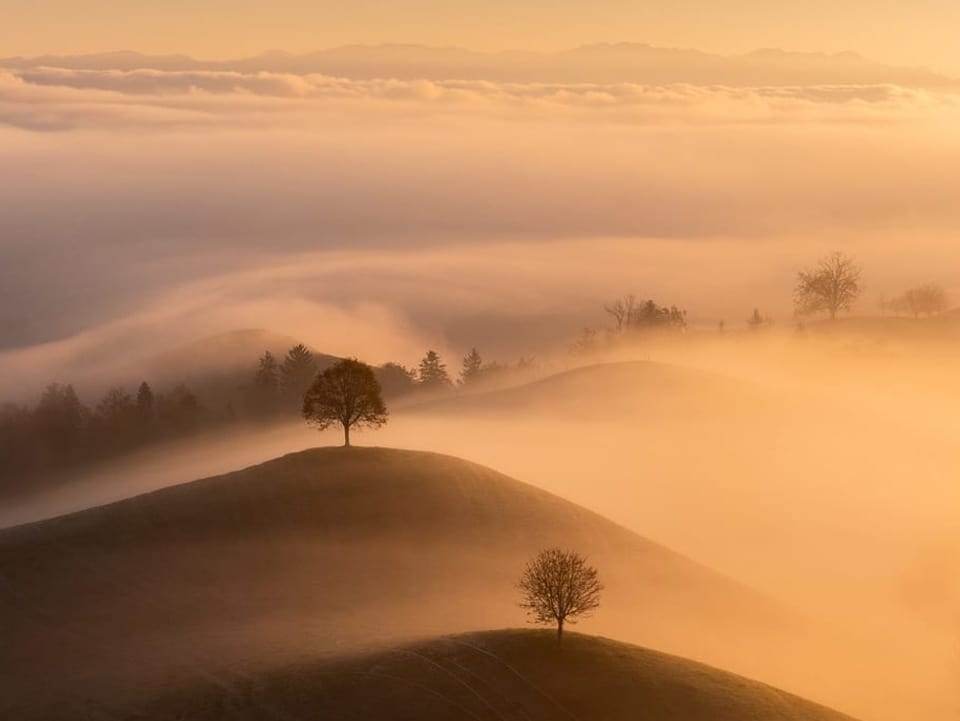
<point x="500" y="676"/>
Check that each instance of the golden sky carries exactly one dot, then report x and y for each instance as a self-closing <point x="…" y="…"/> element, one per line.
<point x="921" y="32"/>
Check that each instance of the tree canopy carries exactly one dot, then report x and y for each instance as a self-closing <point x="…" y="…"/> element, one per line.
<point x="928" y="299"/>
<point x="630" y="314"/>
<point x="472" y="367"/>
<point x="433" y="371"/>
<point x="559" y="587"/>
<point x="832" y="286"/>
<point x="347" y="394"/>
<point x="297" y="372"/>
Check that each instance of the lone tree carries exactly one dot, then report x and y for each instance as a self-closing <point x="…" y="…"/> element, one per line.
<point x="622" y="310"/>
<point x="558" y="587"/>
<point x="346" y="394"/>
<point x="833" y="286"/>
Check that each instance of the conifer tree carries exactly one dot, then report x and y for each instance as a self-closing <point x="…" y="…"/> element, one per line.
<point x="433" y="371"/>
<point x="472" y="367"/>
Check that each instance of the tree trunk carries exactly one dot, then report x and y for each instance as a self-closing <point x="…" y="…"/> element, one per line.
<point x="346" y="436"/>
<point x="560" y="632"/>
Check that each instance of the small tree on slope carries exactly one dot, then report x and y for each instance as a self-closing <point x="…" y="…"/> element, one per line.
<point x="559" y="587"/>
<point x="346" y="394"/>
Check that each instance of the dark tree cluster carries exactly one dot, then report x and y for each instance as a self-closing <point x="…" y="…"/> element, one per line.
<point x="630" y="314"/>
<point x="432" y="373"/>
<point x="474" y="371"/>
<point x="278" y="387"/>
<point x="60" y="431"/>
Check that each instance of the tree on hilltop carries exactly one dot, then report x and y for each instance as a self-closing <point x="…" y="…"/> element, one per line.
<point x="832" y="286"/>
<point x="348" y="395"/>
<point x="559" y="587"/>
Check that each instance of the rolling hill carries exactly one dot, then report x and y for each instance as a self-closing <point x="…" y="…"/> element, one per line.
<point x="614" y="390"/>
<point x="318" y="551"/>
<point x="493" y="676"/>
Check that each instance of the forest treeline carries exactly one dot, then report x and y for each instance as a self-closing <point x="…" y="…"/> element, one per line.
<point x="61" y="433"/>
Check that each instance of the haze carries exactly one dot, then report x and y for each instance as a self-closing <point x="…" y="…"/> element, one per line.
<point x="785" y="484"/>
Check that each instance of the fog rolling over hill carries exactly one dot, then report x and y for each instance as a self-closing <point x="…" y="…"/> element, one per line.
<point x="719" y="454"/>
<point x="821" y="471"/>
<point x="493" y="676"/>
<point x="315" y="552"/>
<point x="656" y="302"/>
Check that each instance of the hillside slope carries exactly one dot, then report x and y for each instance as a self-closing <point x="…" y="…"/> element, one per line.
<point x="323" y="549"/>
<point x="494" y="676"/>
<point x="609" y="391"/>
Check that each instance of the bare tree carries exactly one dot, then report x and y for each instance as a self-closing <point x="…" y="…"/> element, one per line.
<point x="622" y="310"/>
<point x="347" y="394"/>
<point x="833" y="286"/>
<point x="558" y="587"/>
<point x="928" y="299"/>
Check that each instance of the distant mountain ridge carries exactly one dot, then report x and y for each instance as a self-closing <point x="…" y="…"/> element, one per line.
<point x="601" y="63"/>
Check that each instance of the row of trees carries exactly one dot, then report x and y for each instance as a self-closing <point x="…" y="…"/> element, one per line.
<point x="60" y="431"/>
<point x="835" y="284"/>
<point x="831" y="287"/>
<point x="630" y="314"/>
<point x="280" y="385"/>
<point x="928" y="300"/>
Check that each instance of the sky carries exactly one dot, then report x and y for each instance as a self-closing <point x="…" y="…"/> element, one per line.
<point x="922" y="32"/>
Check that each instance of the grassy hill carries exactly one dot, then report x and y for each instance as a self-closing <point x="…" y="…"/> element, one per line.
<point x="606" y="391"/>
<point x="493" y="676"/>
<point x="319" y="550"/>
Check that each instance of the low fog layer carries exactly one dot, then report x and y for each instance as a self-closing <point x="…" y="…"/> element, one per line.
<point x="819" y="468"/>
<point x="416" y="212"/>
<point x="140" y="211"/>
